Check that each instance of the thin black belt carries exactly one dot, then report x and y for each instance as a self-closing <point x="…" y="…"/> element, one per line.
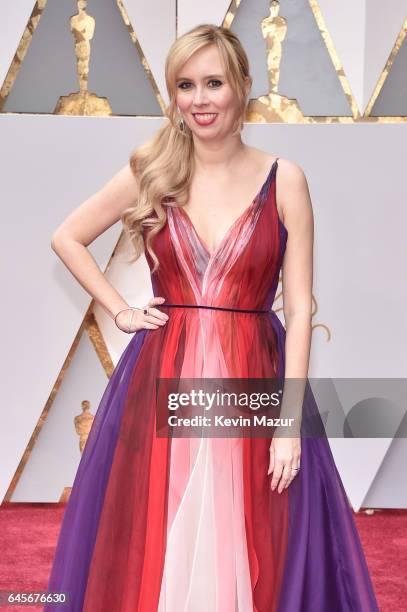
<point x="211" y="307"/>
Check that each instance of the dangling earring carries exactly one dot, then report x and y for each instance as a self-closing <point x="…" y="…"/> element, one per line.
<point x="181" y="122"/>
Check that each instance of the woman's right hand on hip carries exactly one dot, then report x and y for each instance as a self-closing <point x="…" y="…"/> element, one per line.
<point x="130" y="320"/>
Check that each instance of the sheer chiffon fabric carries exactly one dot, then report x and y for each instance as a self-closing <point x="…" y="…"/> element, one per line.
<point x="191" y="524"/>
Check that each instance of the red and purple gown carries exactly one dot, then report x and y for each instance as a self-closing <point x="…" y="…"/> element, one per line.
<point x="191" y="524"/>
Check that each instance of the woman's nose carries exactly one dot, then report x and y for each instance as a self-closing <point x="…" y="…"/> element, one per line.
<point x="200" y="95"/>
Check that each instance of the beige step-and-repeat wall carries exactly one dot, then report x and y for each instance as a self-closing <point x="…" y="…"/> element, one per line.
<point x="329" y="92"/>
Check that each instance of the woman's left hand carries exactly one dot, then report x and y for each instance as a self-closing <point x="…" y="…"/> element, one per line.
<point x="285" y="455"/>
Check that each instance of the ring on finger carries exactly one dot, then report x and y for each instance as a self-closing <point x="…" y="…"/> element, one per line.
<point x="286" y="474"/>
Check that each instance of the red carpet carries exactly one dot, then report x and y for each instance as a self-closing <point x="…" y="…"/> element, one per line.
<point x="28" y="535"/>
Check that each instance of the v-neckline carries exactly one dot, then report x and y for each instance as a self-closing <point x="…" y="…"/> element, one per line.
<point x="212" y="254"/>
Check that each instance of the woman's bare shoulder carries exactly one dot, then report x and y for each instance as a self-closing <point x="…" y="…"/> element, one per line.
<point x="292" y="192"/>
<point x="288" y="168"/>
<point x="291" y="168"/>
<point x="291" y="179"/>
<point x="127" y="179"/>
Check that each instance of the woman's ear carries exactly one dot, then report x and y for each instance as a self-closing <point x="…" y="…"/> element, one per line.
<point x="248" y="85"/>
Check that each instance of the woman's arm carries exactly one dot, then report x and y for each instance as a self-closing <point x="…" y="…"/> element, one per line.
<point x="99" y="212"/>
<point x="294" y="200"/>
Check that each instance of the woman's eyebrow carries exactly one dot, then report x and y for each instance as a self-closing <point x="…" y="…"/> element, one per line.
<point x="209" y="76"/>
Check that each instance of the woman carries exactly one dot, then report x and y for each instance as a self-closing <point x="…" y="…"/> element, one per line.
<point x="173" y="523"/>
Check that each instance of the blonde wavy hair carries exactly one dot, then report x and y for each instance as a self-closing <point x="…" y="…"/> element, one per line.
<point x="164" y="165"/>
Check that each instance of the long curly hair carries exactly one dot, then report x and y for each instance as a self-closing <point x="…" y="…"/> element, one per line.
<point x="164" y="165"/>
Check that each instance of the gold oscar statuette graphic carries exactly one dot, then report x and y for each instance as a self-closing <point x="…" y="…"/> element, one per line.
<point x="82" y="102"/>
<point x="273" y="106"/>
<point x="83" y="423"/>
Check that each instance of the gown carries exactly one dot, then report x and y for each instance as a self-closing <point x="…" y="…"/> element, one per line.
<point x="191" y="524"/>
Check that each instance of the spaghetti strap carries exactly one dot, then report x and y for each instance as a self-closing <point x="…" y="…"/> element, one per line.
<point x="280" y="221"/>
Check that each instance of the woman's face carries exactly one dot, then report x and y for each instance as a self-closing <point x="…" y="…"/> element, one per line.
<point x="204" y="96"/>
